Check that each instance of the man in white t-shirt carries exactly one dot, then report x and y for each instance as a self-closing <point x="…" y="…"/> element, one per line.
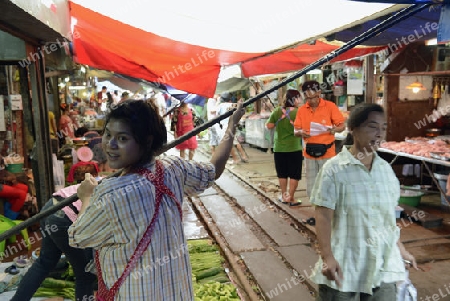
<point x="212" y="107"/>
<point x="160" y="103"/>
<point x="116" y="97"/>
<point x="225" y="105"/>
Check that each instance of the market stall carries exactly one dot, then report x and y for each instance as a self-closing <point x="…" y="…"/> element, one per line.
<point x="433" y="154"/>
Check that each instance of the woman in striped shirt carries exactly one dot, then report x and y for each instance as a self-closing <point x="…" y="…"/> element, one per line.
<point x="143" y="202"/>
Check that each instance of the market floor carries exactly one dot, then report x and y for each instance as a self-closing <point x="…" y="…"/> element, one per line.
<point x="430" y="246"/>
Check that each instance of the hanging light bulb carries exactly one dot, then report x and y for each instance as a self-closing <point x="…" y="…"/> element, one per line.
<point x="416" y="87"/>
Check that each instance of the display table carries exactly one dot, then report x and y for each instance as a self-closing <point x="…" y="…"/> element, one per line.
<point x="419" y="158"/>
<point x="425" y="161"/>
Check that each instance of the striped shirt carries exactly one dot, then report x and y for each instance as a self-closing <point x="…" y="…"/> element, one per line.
<point x="121" y="208"/>
<point x="364" y="233"/>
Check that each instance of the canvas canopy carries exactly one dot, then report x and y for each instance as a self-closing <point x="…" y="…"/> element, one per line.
<point x="152" y="42"/>
<point x="185" y="43"/>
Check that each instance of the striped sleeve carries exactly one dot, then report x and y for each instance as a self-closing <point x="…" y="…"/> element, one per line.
<point x="196" y="177"/>
<point x="92" y="229"/>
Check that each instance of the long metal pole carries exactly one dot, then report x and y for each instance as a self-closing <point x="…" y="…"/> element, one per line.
<point x="394" y="19"/>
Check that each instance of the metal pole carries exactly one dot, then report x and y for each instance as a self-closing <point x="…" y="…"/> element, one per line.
<point x="67" y="201"/>
<point x="396" y="18"/>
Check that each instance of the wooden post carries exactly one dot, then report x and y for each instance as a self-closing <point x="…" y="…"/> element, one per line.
<point x="370" y="95"/>
<point x="43" y="173"/>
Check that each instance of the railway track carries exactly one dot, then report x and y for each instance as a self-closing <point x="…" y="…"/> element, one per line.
<point x="243" y="276"/>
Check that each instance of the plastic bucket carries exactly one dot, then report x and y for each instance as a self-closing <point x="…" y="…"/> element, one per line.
<point x="14" y="167"/>
<point x="410" y="198"/>
<point x="442" y="179"/>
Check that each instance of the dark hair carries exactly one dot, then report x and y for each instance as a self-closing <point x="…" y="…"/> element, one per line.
<point x="81" y="131"/>
<point x="104" y="87"/>
<point x="110" y="98"/>
<point x="291" y="94"/>
<point x="311" y="86"/>
<point x="146" y="124"/>
<point x="359" y="115"/>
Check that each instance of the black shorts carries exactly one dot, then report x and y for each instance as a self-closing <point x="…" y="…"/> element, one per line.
<point x="289" y="165"/>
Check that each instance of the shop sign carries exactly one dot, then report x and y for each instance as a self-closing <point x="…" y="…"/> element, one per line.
<point x="355" y="81"/>
<point x="15" y="102"/>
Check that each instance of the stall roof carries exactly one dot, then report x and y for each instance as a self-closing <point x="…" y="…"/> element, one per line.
<point x="124" y="47"/>
<point x="301" y="56"/>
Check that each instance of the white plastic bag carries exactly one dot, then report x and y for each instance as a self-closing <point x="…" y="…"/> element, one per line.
<point x="58" y="173"/>
<point x="406" y="290"/>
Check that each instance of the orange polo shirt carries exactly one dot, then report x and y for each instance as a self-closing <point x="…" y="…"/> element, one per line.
<point x="326" y="113"/>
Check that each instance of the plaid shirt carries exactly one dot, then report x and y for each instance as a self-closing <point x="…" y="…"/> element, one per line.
<point x="121" y="208"/>
<point x="364" y="232"/>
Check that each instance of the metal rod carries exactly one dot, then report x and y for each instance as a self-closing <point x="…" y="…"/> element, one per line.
<point x="443" y="193"/>
<point x="395" y="18"/>
<point x="30" y="221"/>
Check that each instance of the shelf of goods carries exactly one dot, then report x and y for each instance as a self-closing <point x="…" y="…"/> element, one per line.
<point x="426" y="150"/>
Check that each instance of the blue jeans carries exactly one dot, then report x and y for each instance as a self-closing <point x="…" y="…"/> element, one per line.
<point x="55" y="242"/>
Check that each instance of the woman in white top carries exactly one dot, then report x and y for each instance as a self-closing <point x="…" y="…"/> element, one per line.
<point x="355" y="195"/>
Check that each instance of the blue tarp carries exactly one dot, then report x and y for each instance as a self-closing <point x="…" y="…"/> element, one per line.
<point x="422" y="26"/>
<point x="443" y="35"/>
<point x="188" y="98"/>
<point x="403" y="1"/>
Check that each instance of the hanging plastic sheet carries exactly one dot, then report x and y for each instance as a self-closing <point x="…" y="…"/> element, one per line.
<point x="443" y="34"/>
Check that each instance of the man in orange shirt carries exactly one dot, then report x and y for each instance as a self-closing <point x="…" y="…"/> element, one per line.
<point x="318" y="143"/>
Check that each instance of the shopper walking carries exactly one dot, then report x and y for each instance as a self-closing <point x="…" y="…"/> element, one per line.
<point x="287" y="148"/>
<point x="183" y="118"/>
<point x="355" y="197"/>
<point x="225" y="105"/>
<point x="318" y="142"/>
<point x="134" y="221"/>
<point x="212" y="107"/>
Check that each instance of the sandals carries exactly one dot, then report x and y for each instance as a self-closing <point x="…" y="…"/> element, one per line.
<point x="310" y="221"/>
<point x="297" y="203"/>
<point x="283" y="202"/>
<point x="291" y="204"/>
<point x="21" y="261"/>
<point x="12" y="269"/>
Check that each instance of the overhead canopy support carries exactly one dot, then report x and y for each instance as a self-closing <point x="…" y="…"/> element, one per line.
<point x="233" y="84"/>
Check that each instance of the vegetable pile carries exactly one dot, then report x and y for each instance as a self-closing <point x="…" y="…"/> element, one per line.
<point x="51" y="287"/>
<point x="211" y="283"/>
